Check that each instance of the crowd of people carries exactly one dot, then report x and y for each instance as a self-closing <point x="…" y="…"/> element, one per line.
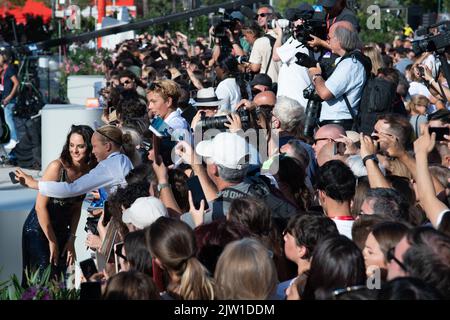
<point x="235" y="201"/>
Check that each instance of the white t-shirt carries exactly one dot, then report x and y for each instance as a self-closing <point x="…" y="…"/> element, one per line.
<point x="348" y="77"/>
<point x="344" y="227"/>
<point x="228" y="91"/>
<point x="418" y="88"/>
<point x="292" y="78"/>
<point x="261" y="53"/>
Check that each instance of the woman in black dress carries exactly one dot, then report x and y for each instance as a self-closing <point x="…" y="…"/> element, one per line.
<point x="49" y="231"/>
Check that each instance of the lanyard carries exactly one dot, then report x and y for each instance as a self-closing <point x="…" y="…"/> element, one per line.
<point x="346" y="218"/>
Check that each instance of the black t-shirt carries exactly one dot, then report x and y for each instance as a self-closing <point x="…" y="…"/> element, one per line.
<point x="7" y="82"/>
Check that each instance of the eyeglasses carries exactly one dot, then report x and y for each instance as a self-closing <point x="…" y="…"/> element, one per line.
<point x="391" y="256"/>
<point x="338" y="292"/>
<point x="118" y="252"/>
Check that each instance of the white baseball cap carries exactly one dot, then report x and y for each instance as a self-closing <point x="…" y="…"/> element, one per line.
<point x="144" y="211"/>
<point x="226" y="149"/>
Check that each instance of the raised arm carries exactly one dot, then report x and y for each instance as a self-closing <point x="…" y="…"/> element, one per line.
<point x="427" y="195"/>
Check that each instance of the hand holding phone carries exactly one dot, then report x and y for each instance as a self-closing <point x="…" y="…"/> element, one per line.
<point x="440" y="132"/>
<point x="339" y="148"/>
<point x="197" y="192"/>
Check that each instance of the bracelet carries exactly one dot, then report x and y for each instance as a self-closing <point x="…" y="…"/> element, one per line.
<point x="372" y="156"/>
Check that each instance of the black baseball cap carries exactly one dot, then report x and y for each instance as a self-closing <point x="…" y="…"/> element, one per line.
<point x="261" y="79"/>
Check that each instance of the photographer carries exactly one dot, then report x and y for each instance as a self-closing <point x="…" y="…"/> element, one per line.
<point x="347" y="80"/>
<point x="292" y="78"/>
<point x="261" y="56"/>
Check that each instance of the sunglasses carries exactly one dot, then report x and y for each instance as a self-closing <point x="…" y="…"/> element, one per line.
<point x="255" y="92"/>
<point x="320" y="139"/>
<point x="126" y="82"/>
<point x="262" y="15"/>
<point x="391" y="256"/>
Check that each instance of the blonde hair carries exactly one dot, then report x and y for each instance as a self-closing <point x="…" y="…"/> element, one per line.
<point x="166" y="89"/>
<point x="114" y="135"/>
<point x="173" y="243"/>
<point x="245" y="270"/>
<point x="417" y="99"/>
<point x="375" y="57"/>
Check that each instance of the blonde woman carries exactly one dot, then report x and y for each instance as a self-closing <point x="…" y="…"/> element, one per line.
<point x="417" y="109"/>
<point x="375" y="57"/>
<point x="245" y="271"/>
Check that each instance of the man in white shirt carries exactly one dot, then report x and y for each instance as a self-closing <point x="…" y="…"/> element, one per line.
<point x="260" y="60"/>
<point x="292" y="78"/>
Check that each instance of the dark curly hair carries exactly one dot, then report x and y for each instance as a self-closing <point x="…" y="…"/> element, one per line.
<point x="86" y="132"/>
<point x="337" y="180"/>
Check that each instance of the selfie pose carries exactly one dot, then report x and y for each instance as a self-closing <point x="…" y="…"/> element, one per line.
<point x="49" y="231"/>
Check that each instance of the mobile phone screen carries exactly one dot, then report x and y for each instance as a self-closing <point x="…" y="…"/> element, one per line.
<point x="88" y="268"/>
<point x="197" y="192"/>
<point x="440" y="132"/>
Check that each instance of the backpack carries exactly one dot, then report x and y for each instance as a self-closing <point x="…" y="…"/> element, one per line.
<point x="378" y="97"/>
<point x="281" y="208"/>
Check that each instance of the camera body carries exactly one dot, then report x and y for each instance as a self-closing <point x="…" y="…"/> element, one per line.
<point x="219" y="122"/>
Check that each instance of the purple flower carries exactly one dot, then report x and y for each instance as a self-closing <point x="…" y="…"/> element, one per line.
<point x="29" y="293"/>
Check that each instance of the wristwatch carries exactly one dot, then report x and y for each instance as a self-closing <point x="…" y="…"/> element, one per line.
<point x="162" y="186"/>
<point x="370" y="157"/>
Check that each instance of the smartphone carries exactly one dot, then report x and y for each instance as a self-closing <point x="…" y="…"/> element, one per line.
<point x="117" y="255"/>
<point x="155" y="142"/>
<point x="440" y="132"/>
<point x="106" y="213"/>
<point x="198" y="195"/>
<point x="88" y="268"/>
<point x="339" y="148"/>
<point x="12" y="176"/>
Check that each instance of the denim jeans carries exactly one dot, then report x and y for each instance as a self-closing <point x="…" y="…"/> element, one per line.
<point x="9" y="111"/>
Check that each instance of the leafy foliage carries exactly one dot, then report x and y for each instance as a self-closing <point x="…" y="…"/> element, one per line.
<point x="39" y="287"/>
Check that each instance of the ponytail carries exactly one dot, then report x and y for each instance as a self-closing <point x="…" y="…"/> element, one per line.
<point x="195" y="283"/>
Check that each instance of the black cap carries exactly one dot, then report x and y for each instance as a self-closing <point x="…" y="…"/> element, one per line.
<point x="261" y="79"/>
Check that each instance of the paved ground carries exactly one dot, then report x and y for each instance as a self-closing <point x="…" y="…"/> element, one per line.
<point x="15" y="204"/>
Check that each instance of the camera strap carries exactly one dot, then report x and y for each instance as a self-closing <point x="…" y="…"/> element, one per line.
<point x="272" y="42"/>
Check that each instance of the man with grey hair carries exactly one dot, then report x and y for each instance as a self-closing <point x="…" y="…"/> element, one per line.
<point x="227" y="158"/>
<point x="342" y="90"/>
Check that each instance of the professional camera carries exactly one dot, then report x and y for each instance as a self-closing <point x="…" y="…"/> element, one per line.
<point x="91" y="225"/>
<point x="312" y="111"/>
<point x="283" y="23"/>
<point x="314" y="23"/>
<point x="306" y="61"/>
<point x="219" y="122"/>
<point x="433" y="42"/>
